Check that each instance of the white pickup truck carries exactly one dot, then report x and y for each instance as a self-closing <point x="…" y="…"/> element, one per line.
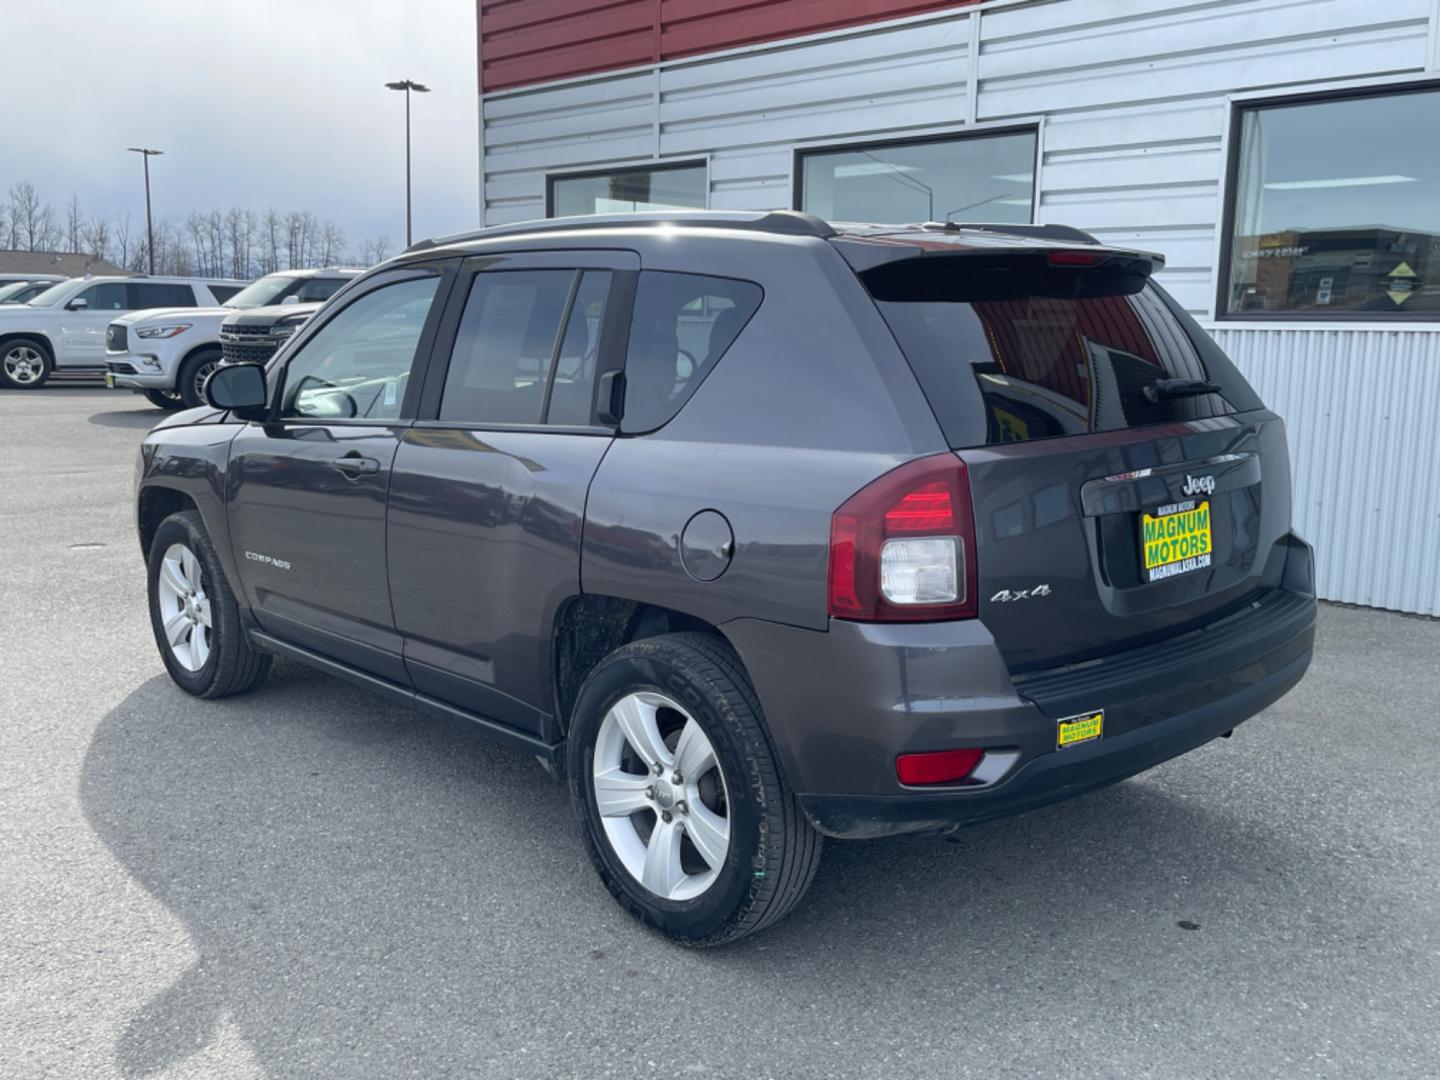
<point x="63" y="329"/>
<point x="167" y="355"/>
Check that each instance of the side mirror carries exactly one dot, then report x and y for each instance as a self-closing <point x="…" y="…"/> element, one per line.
<point x="291" y="299"/>
<point x="240" y="388"/>
<point x="78" y="304"/>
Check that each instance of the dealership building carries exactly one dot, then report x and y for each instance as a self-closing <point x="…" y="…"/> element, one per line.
<point x="1283" y="155"/>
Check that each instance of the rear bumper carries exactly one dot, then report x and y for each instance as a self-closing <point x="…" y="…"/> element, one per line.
<point x="1051" y="777"/>
<point x="842" y="704"/>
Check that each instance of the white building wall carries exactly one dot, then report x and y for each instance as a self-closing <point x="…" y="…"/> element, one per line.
<point x="1133" y="100"/>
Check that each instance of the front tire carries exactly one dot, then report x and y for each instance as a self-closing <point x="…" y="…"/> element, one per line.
<point x="24" y="364"/>
<point x="194" y="614"/>
<point x="682" y="805"/>
<point x="164" y="399"/>
<point x="190" y="382"/>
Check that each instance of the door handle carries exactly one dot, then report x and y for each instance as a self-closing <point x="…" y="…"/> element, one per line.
<point x="356" y="465"/>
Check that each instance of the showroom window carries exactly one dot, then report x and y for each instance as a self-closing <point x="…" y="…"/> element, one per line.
<point x="988" y="177"/>
<point x="1333" y="211"/>
<point x="652" y="187"/>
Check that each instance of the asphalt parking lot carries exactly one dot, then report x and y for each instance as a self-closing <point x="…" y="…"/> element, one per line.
<point x="308" y="882"/>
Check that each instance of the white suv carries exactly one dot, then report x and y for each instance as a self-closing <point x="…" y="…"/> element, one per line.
<point x="167" y="355"/>
<point x="63" y="329"/>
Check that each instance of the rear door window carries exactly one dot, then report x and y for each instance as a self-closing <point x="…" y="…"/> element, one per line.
<point x="682" y="325"/>
<point x="1009" y="353"/>
<point x="500" y="365"/>
<point x="150" y="294"/>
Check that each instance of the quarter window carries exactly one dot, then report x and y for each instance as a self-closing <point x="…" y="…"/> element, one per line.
<point x="682" y="325"/>
<point x="1314" y="232"/>
<point x="358" y="364"/>
<point x="665" y="187"/>
<point x="972" y="178"/>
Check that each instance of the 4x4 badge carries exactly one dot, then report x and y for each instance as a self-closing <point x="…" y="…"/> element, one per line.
<point x="1005" y="596"/>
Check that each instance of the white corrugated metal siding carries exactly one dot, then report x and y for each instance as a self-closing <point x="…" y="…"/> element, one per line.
<point x="1362" y="409"/>
<point x="1132" y="97"/>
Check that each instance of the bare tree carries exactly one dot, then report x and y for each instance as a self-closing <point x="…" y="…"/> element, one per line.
<point x="32" y="220"/>
<point x="375" y="251"/>
<point x="97" y="238"/>
<point x="214" y="243"/>
<point x="122" y="241"/>
<point x="331" y="244"/>
<point x="239" y="227"/>
<point x="270" y="261"/>
<point x="199" y="240"/>
<point x="74" y="224"/>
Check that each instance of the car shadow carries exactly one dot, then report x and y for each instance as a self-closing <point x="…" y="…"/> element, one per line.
<point x="370" y="892"/>
<point x="135" y="419"/>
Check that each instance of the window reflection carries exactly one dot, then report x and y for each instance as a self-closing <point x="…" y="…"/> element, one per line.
<point x="675" y="187"/>
<point x="974" y="178"/>
<point x="1336" y="209"/>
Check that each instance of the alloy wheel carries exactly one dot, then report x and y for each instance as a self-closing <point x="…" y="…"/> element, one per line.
<point x="184" y="607"/>
<point x="201" y="374"/>
<point x="661" y="796"/>
<point x="23" y="365"/>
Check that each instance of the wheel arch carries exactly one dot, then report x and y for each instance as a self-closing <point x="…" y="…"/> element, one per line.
<point x="588" y="627"/>
<point x="197" y="350"/>
<point x="156" y="503"/>
<point x="37" y="336"/>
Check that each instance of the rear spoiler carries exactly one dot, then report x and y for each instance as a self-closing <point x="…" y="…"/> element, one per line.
<point x="865" y="253"/>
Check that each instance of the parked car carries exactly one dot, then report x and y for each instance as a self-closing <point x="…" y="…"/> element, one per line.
<point x="254" y="335"/>
<point x="12" y="278"/>
<point x="19" y="292"/>
<point x="167" y="355"/>
<point x="758" y="529"/>
<point x="63" y="328"/>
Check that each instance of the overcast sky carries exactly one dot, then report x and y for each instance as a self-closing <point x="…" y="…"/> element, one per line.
<point x="256" y="103"/>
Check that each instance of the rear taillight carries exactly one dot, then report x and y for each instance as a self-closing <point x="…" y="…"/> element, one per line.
<point x="902" y="549"/>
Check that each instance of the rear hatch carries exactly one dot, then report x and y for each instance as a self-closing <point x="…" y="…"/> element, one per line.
<point x="1127" y="483"/>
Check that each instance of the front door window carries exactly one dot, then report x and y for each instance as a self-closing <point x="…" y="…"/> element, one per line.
<point x="358" y="365"/>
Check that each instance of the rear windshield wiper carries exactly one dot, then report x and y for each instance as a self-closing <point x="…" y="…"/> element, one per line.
<point x="1161" y="389"/>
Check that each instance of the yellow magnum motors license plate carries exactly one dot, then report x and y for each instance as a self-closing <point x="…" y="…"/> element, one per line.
<point x="1073" y="730"/>
<point x="1176" y="539"/>
<point x="110" y="379"/>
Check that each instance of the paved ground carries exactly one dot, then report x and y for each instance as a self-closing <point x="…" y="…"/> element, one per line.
<point x="307" y="882"/>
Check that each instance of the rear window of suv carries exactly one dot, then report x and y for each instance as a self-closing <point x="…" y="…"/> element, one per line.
<point x="1013" y="350"/>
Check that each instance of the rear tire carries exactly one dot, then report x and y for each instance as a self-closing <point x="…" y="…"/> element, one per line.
<point x="164" y="399"/>
<point x="194" y="614"/>
<point x="25" y="364"/>
<point x="190" y="380"/>
<point x="724" y="884"/>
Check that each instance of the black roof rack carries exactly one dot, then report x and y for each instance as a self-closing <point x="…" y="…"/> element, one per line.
<point x="784" y="222"/>
<point x="1066" y="233"/>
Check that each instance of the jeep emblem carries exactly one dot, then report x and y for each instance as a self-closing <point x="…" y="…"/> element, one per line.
<point x="1194" y="485"/>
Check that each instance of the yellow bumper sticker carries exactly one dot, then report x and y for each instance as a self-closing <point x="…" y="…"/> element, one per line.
<point x="1073" y="730"/>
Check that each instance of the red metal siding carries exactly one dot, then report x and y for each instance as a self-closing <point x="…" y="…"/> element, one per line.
<point x="532" y="41"/>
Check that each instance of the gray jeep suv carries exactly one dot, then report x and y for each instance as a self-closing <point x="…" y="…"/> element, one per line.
<point x="756" y="528"/>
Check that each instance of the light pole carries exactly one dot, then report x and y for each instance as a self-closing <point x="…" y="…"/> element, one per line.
<point x="149" y="222"/>
<point x="407" y="85"/>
